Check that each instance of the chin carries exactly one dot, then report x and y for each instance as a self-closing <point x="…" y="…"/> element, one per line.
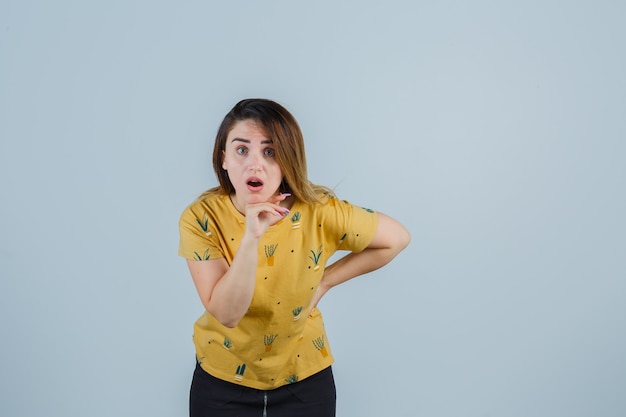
<point x="257" y="198"/>
<point x="250" y="197"/>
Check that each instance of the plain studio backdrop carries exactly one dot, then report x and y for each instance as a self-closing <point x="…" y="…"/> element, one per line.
<point x="494" y="130"/>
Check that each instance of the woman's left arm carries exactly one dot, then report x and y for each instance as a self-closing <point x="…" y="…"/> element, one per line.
<point x="390" y="238"/>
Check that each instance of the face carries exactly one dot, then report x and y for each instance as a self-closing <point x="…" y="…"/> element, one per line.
<point x="252" y="168"/>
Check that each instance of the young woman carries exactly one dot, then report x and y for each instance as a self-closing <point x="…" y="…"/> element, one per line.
<point x="257" y="247"/>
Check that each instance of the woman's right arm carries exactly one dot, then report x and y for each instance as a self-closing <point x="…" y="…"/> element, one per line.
<point x="226" y="291"/>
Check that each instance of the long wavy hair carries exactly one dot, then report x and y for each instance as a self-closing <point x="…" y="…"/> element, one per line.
<point x="282" y="128"/>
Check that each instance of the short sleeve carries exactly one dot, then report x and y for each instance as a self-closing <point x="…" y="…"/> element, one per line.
<point x="353" y="227"/>
<point x="197" y="235"/>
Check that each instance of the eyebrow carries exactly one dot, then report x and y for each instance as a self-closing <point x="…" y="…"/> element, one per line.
<point x="248" y="140"/>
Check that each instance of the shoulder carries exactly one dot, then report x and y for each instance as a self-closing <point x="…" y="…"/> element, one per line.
<point x="207" y="202"/>
<point x="331" y="209"/>
<point x="207" y="205"/>
<point x="329" y="202"/>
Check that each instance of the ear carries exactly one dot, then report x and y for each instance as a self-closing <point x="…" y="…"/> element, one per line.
<point x="223" y="162"/>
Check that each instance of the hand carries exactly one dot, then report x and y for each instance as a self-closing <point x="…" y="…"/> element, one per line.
<point x="260" y="216"/>
<point x="319" y="293"/>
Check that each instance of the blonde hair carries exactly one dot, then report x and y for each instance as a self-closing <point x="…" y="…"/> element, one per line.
<point x="283" y="129"/>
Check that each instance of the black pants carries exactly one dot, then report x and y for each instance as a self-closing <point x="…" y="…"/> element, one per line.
<point x="314" y="396"/>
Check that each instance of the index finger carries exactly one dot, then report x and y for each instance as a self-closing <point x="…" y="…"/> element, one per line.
<point x="280" y="197"/>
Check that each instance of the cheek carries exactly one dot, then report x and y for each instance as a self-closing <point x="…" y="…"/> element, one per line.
<point x="278" y="173"/>
<point x="230" y="163"/>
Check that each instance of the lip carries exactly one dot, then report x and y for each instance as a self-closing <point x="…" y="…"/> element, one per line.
<point x="254" y="184"/>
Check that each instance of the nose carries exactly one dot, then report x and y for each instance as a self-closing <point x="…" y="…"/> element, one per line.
<point x="255" y="162"/>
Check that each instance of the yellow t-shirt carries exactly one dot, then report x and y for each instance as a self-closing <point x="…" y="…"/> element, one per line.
<point x="274" y="344"/>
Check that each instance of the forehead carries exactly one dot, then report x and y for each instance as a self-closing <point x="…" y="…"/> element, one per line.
<point x="247" y="129"/>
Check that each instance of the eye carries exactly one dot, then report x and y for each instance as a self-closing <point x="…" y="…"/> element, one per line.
<point x="241" y="150"/>
<point x="270" y="152"/>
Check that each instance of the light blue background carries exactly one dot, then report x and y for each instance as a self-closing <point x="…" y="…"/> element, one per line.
<point x="494" y="130"/>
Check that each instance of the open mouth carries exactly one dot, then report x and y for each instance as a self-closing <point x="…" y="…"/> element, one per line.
<point x="254" y="184"/>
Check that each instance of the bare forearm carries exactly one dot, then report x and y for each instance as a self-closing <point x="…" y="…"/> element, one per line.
<point x="355" y="264"/>
<point x="232" y="295"/>
<point x="390" y="239"/>
<point x="350" y="266"/>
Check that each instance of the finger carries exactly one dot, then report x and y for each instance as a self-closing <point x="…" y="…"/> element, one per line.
<point x="282" y="211"/>
<point x="280" y="197"/>
<point x="270" y="208"/>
